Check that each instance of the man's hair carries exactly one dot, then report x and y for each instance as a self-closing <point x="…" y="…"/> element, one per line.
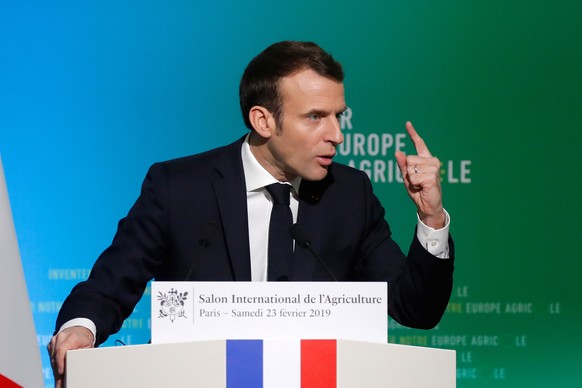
<point x="260" y="82"/>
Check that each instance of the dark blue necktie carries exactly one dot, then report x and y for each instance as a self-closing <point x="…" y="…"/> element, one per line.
<point x="280" y="253"/>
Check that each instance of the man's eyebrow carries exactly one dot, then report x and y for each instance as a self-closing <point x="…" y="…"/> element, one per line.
<point x="316" y="111"/>
<point x="322" y="112"/>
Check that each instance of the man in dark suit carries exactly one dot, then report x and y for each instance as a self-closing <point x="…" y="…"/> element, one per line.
<point x="206" y="217"/>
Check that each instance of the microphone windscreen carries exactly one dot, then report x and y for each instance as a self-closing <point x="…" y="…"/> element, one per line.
<point x="299" y="235"/>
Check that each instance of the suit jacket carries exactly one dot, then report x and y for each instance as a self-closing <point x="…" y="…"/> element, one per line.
<point x="190" y="220"/>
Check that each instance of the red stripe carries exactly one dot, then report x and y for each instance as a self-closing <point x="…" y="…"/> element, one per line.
<point x="318" y="364"/>
<point x="5" y="382"/>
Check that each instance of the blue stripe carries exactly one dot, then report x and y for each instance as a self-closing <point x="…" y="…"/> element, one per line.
<point x="244" y="364"/>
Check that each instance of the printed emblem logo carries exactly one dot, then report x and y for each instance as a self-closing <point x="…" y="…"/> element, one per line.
<point x="172" y="304"/>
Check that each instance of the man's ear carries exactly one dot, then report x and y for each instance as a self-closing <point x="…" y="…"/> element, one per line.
<point x="262" y="121"/>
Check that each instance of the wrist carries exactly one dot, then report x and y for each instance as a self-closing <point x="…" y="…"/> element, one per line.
<point x="435" y="221"/>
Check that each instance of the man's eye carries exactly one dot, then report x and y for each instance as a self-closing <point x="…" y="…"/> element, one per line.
<point x="314" y="117"/>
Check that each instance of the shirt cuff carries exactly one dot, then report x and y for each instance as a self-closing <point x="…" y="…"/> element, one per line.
<point x="435" y="241"/>
<point x="83" y="322"/>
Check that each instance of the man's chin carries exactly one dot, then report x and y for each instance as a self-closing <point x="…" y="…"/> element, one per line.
<point x="317" y="175"/>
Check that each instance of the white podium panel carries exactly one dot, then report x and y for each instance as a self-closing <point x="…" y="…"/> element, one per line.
<point x="199" y="364"/>
<point x="360" y="364"/>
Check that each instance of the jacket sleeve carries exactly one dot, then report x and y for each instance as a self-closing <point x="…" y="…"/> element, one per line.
<point x="419" y="284"/>
<point x="121" y="273"/>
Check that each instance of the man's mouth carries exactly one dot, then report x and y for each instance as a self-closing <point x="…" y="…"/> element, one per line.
<point x="325" y="160"/>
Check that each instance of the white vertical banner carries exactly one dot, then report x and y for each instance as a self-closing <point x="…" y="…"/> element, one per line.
<point x="20" y="363"/>
<point x="281" y="363"/>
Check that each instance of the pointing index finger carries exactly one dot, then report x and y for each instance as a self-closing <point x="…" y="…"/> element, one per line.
<point x="419" y="144"/>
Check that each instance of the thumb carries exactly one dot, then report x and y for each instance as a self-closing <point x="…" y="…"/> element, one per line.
<point x="401" y="160"/>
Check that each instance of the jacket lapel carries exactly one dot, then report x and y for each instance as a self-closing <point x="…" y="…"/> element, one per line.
<point x="230" y="193"/>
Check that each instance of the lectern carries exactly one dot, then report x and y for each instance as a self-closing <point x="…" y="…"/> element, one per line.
<point x="209" y="364"/>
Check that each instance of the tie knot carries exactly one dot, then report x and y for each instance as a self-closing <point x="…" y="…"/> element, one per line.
<point x="279" y="192"/>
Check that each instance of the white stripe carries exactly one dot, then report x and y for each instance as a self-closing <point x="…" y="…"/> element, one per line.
<point x="281" y="364"/>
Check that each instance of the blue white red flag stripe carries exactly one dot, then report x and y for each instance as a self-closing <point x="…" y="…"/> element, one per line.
<point x="281" y="364"/>
<point x="318" y="364"/>
<point x="244" y="364"/>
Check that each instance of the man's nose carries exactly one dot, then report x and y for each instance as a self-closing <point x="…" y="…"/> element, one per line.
<point x="334" y="130"/>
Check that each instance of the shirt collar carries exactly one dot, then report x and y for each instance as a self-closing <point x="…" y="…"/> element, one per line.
<point x="256" y="177"/>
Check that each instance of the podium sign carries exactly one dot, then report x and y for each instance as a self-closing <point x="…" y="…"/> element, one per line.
<point x="194" y="311"/>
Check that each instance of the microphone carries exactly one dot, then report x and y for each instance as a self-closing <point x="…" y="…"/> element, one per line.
<point x="207" y="233"/>
<point x="298" y="234"/>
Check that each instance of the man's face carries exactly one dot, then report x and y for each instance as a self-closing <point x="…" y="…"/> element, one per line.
<point x="305" y="141"/>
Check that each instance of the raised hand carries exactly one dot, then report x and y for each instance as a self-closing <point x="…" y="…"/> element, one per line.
<point x="421" y="175"/>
